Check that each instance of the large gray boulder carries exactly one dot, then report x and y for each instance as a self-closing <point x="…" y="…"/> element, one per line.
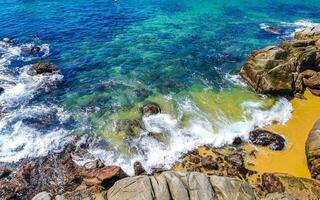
<point x="42" y="196"/>
<point x="313" y="151"/>
<point x="181" y="185"/>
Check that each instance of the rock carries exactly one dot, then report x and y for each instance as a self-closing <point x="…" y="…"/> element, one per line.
<point x="267" y="138"/>
<point x="94" y="164"/>
<point x="315" y="92"/>
<point x="60" y="197"/>
<point x="133" y="188"/>
<point x="313" y="151"/>
<point x="280" y="69"/>
<point x="237" y="141"/>
<point x="273" y="30"/>
<point x="231" y="189"/>
<point x="235" y="159"/>
<point x="278" y="196"/>
<point x="4" y="172"/>
<point x="43" y="67"/>
<point x="266" y="71"/>
<point x="311" y="32"/>
<point x="209" y="164"/>
<point x="57" y="173"/>
<point x="313" y="82"/>
<point x="42" y="196"/>
<point x="1" y="90"/>
<point x="138" y="168"/>
<point x="295" y="187"/>
<point x="35" y="49"/>
<point x="150" y="109"/>
<point x="131" y="128"/>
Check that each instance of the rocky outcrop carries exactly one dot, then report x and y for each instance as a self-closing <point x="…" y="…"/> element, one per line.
<point x="228" y="161"/>
<point x="266" y="138"/>
<point x="283" y="69"/>
<point x="298" y="188"/>
<point x="313" y="151"/>
<point x="44" y="67"/>
<point x="57" y="174"/>
<point x="181" y="185"/>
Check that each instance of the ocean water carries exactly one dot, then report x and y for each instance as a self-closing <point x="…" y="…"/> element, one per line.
<point x="114" y="56"/>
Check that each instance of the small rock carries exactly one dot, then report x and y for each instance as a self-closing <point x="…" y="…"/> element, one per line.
<point x="42" y="67"/>
<point x="267" y="138"/>
<point x="42" y="196"/>
<point x="138" y="168"/>
<point x="208" y="163"/>
<point x="150" y="109"/>
<point x="237" y="141"/>
<point x="1" y="90"/>
<point x="35" y="49"/>
<point x="60" y="197"/>
<point x="4" y="172"/>
<point x="235" y="159"/>
<point x="94" y="164"/>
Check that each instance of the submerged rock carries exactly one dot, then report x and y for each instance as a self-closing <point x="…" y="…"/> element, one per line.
<point x="1" y="90"/>
<point x="150" y="109"/>
<point x="313" y="151"/>
<point x="267" y="138"/>
<point x="44" y="67"/>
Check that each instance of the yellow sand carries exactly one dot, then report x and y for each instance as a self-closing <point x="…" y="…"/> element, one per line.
<point x="292" y="160"/>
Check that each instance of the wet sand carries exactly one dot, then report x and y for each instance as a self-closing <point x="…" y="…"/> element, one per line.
<point x="292" y="160"/>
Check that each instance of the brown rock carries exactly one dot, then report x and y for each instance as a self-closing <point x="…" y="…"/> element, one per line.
<point x="44" y="67"/>
<point x="138" y="168"/>
<point x="313" y="82"/>
<point x="313" y="151"/>
<point x="208" y="163"/>
<point x="150" y="109"/>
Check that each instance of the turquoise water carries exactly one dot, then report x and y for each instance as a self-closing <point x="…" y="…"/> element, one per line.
<point x="116" y="55"/>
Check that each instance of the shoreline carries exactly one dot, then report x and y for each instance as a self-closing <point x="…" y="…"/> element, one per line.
<point x="291" y="160"/>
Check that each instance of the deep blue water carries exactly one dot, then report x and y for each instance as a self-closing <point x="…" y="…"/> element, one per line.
<point x="114" y="55"/>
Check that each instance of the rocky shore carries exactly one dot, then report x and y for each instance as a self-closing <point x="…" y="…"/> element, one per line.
<point x="224" y="174"/>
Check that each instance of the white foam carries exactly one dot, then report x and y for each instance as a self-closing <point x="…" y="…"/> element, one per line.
<point x="19" y="139"/>
<point x="199" y="131"/>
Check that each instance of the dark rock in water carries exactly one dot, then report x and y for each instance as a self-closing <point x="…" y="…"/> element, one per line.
<point x="237" y="141"/>
<point x="267" y="138"/>
<point x="4" y="172"/>
<point x="1" y="90"/>
<point x="150" y="109"/>
<point x="138" y="168"/>
<point x="208" y="163"/>
<point x="44" y="67"/>
<point x="131" y="128"/>
<point x="273" y="30"/>
<point x="35" y="49"/>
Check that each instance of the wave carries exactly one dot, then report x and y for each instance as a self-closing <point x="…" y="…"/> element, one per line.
<point x="28" y="127"/>
<point x="199" y="131"/>
<point x="287" y="29"/>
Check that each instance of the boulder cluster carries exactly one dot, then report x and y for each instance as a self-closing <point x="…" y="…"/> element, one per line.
<point x="287" y="69"/>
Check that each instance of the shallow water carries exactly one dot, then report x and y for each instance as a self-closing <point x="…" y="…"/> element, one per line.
<point x="116" y="55"/>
